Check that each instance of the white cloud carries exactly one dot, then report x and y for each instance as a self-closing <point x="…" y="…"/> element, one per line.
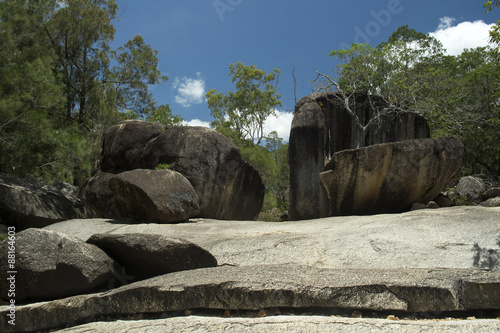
<point x="189" y="91"/>
<point x="196" y="122"/>
<point x="462" y="36"/>
<point x="446" y="22"/>
<point x="280" y="123"/>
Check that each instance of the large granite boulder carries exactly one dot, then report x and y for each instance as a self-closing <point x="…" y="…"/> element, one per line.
<point x="326" y="123"/>
<point x="155" y="196"/>
<point x="448" y="238"/>
<point x="306" y="157"/>
<point x="226" y="185"/>
<point x="149" y="255"/>
<point x="50" y="265"/>
<point x="29" y="204"/>
<point x="389" y="123"/>
<point x="124" y="144"/>
<point x="390" y="177"/>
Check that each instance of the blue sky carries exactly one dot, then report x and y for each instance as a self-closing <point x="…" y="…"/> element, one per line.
<point x="197" y="40"/>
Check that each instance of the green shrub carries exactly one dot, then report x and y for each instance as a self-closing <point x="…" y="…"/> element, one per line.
<point x="163" y="166"/>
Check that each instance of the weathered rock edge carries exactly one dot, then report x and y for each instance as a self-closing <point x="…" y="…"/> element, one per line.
<point x="257" y="287"/>
<point x="287" y="324"/>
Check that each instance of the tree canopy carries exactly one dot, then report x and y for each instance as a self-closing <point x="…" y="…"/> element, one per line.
<point x="459" y="95"/>
<point x="495" y="31"/>
<point x="246" y="109"/>
<point x="62" y="86"/>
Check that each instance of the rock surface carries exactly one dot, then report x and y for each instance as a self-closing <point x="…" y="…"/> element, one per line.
<point x="390" y="177"/>
<point x="493" y="202"/>
<point x="155" y="196"/>
<point x="124" y="145"/>
<point x="394" y="124"/>
<point x="473" y="190"/>
<point x="422" y="263"/>
<point x="146" y="255"/>
<point x="227" y="187"/>
<point x="419" y="239"/>
<point x="288" y="286"/>
<point x="28" y="204"/>
<point x="287" y="324"/>
<point x="491" y="193"/>
<point x="50" y="265"/>
<point x="470" y="189"/>
<point x="322" y="126"/>
<point x="306" y="157"/>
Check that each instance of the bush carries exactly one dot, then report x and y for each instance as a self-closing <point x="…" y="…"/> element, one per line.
<point x="272" y="215"/>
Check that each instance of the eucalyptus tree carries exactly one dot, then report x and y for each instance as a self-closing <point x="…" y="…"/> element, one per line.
<point x="245" y="110"/>
<point x="62" y="85"/>
<point x="495" y="31"/>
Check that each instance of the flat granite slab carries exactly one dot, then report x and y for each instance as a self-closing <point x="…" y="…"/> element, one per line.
<point x="427" y="261"/>
<point x="457" y="237"/>
<point x="273" y="286"/>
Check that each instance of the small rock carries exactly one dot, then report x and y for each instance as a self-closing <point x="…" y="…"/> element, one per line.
<point x="418" y="206"/>
<point x="493" y="202"/>
<point x="443" y="201"/>
<point x="262" y="313"/>
<point x="470" y="189"/>
<point x="357" y="314"/>
<point x="392" y="317"/>
<point x="491" y="193"/>
<point x="432" y="205"/>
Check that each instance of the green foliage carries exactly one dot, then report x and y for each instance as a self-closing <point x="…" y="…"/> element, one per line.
<point x="280" y="172"/>
<point x="58" y="89"/>
<point x="458" y="95"/>
<point x="163" y="166"/>
<point x="245" y="110"/>
<point x="240" y="116"/>
<point x="461" y="201"/>
<point x="163" y="115"/>
<point x="271" y="215"/>
<point x="495" y="30"/>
